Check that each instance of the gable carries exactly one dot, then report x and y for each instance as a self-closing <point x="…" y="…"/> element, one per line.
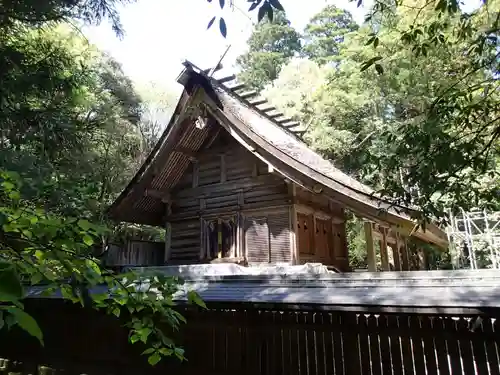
<point x="225" y="175"/>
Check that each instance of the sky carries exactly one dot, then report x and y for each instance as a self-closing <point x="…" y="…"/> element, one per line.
<point x="160" y="34"/>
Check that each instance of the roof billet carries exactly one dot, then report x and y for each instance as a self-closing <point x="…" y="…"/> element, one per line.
<point x="237" y="87"/>
<point x="246" y="95"/>
<point x="226" y="79"/>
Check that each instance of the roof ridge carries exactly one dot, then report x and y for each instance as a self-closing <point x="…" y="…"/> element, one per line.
<point x="278" y="118"/>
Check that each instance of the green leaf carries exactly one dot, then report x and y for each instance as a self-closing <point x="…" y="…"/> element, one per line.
<point x="154" y="359"/>
<point x="254" y="5"/>
<point x="84" y="224"/>
<point x="179" y="353"/>
<point x="166" y="351"/>
<point x="88" y="240"/>
<point x="211" y="22"/>
<point x="148" y="351"/>
<point x="222" y="27"/>
<point x="193" y="297"/>
<point x="11" y="288"/>
<point x="262" y="12"/>
<point x="276" y="4"/>
<point x="134" y="338"/>
<point x="26" y="322"/>
<point x="369" y="63"/>
<point x="116" y="312"/>
<point x="144" y="333"/>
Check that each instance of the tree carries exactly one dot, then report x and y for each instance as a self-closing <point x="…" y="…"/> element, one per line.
<point x="325" y="33"/>
<point x="443" y="162"/>
<point x="69" y="143"/>
<point x="272" y="44"/>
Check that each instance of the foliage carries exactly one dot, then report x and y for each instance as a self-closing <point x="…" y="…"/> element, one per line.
<point x="39" y="248"/>
<point x="325" y="33"/>
<point x="443" y="147"/>
<point x="272" y="44"/>
<point x="36" y="13"/>
<point x="73" y="133"/>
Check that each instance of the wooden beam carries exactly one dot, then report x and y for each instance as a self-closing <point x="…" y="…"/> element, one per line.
<point x="276" y="115"/>
<point x="405" y="264"/>
<point x="268" y="109"/>
<point x="292" y="124"/>
<point x="396" y="254"/>
<point x="248" y="94"/>
<point x="230" y="78"/>
<point x="217" y="68"/>
<point x="292" y="191"/>
<point x="196" y="169"/>
<point x="370" y="250"/>
<point x="285" y="120"/>
<point x="384" y="257"/>
<point x="191" y="154"/>
<point x="223" y="169"/>
<point x="236" y="87"/>
<point x="258" y="102"/>
<point x="168" y="235"/>
<point x="164" y="196"/>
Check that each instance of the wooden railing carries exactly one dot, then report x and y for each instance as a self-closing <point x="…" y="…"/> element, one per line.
<point x="234" y="340"/>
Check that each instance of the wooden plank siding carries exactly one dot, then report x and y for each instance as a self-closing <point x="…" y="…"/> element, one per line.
<point x="244" y="340"/>
<point x="320" y="230"/>
<point x="135" y="253"/>
<point x="225" y="180"/>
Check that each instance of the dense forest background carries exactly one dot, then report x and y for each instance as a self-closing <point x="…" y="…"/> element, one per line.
<point x="408" y="102"/>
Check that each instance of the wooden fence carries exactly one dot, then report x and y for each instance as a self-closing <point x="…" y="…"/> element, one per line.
<point x="135" y="253"/>
<point x="232" y="341"/>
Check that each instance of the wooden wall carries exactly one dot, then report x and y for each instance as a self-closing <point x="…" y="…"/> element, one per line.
<point x="320" y="230"/>
<point x="225" y="180"/>
<point x="135" y="253"/>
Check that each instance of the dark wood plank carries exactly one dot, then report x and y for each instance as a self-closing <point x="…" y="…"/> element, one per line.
<point x="303" y="344"/>
<point x="294" y="344"/>
<point x="395" y="344"/>
<point x="453" y="347"/>
<point x="429" y="347"/>
<point x="479" y="350"/>
<point x="492" y="347"/>
<point x="465" y="346"/>
<point x="364" y="347"/>
<point x="406" y="350"/>
<point x="385" y="349"/>
<point x="417" y="345"/>
<point x="338" y="341"/>
<point x="319" y="341"/>
<point x="440" y="343"/>
<point x="374" y="346"/>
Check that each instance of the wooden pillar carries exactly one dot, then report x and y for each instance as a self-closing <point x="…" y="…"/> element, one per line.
<point x="396" y="253"/>
<point x="405" y="263"/>
<point x="196" y="170"/>
<point x="370" y="250"/>
<point x="168" y="232"/>
<point x="384" y="258"/>
<point x="422" y="259"/>
<point x="292" y="212"/>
